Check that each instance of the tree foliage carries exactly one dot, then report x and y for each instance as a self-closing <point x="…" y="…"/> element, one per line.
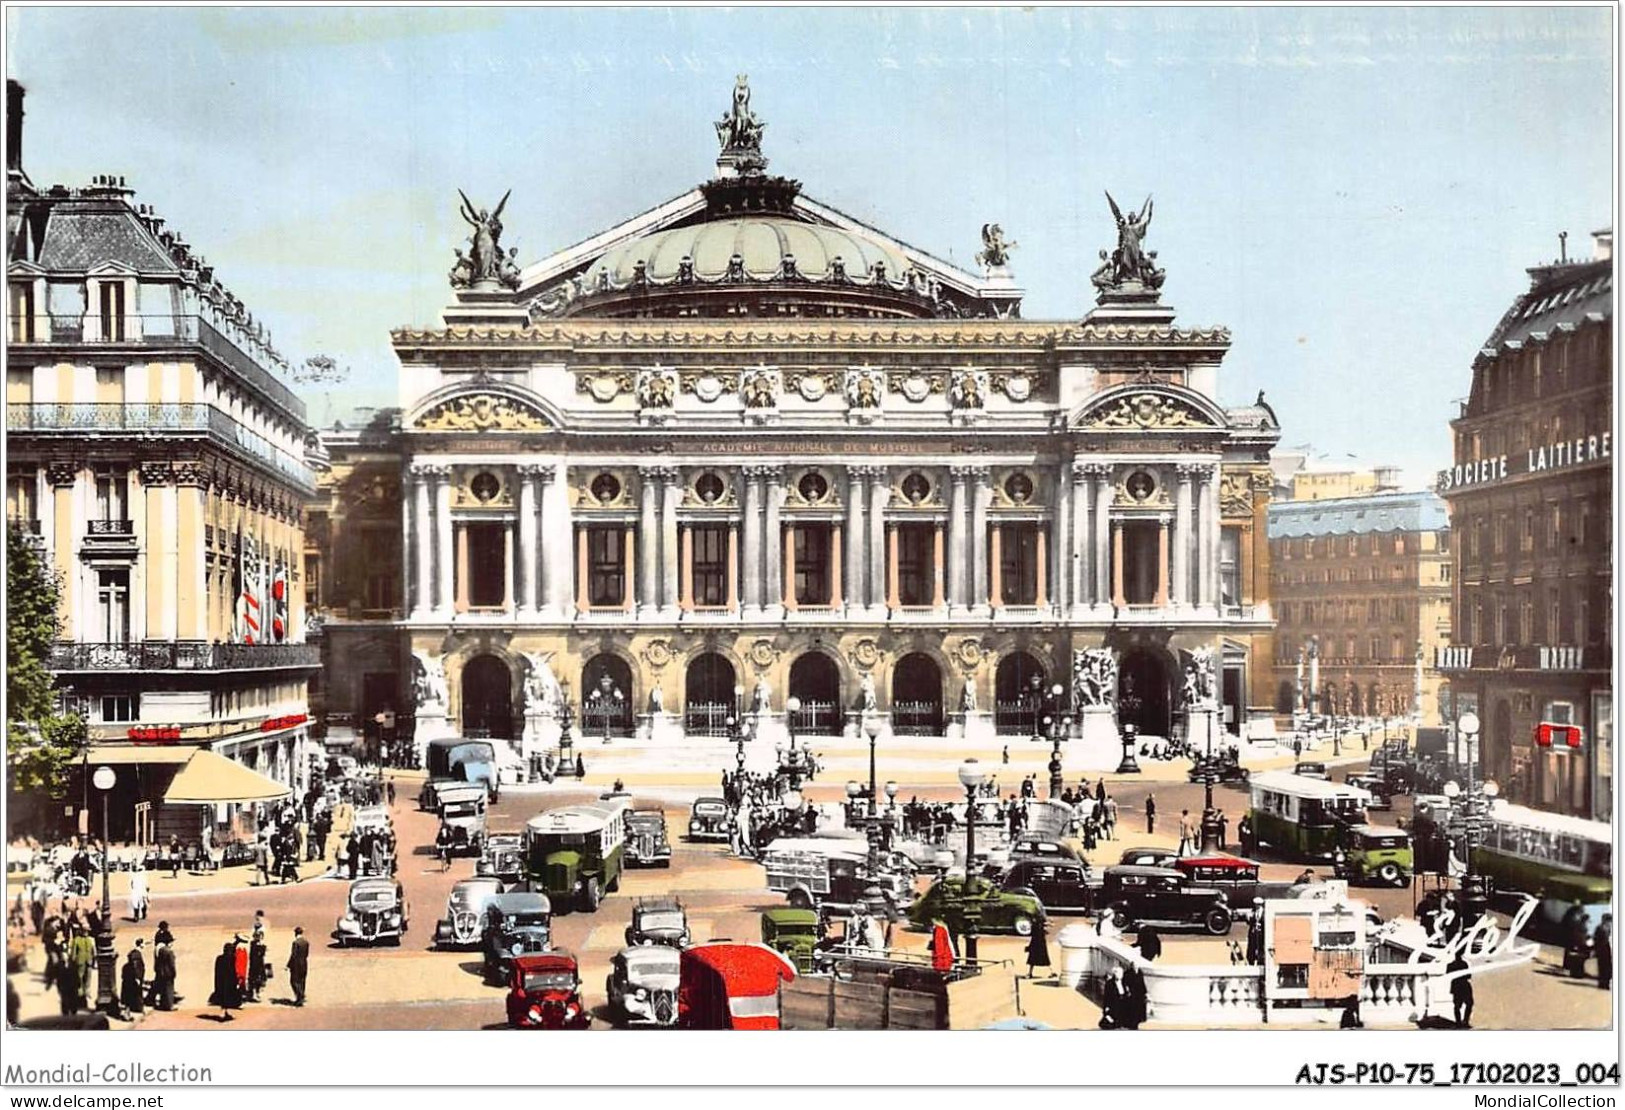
<point x="41" y="741"/>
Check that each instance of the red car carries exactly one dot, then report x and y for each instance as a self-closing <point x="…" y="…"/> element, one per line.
<point x="731" y="986"/>
<point x="545" y="993"/>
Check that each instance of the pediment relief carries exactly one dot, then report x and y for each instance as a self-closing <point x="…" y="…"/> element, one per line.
<point x="483" y="412"/>
<point x="1143" y="409"/>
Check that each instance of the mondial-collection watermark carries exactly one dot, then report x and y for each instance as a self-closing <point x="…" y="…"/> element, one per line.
<point x="134" y="1072"/>
<point x="1543" y="1102"/>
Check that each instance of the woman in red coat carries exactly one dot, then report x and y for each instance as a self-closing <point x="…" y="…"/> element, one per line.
<point x="239" y="958"/>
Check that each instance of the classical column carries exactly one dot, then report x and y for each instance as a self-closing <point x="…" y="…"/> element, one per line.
<point x="789" y="544"/>
<point x="835" y="598"/>
<point x="1080" y="585"/>
<point x="1042" y="598"/>
<point x="1207" y="557"/>
<point x="528" y="601"/>
<point x="981" y="498"/>
<point x="686" y="599"/>
<point x="773" y="558"/>
<point x="583" y="598"/>
<point x="558" y="552"/>
<point x="879" y="496"/>
<point x="443" y="539"/>
<point x="422" y="546"/>
<point x="733" y="567"/>
<point x="1103" y="533"/>
<point x="958" y="525"/>
<point x="936" y="564"/>
<point x="648" y="593"/>
<point x="855" y="562"/>
<point x="1162" y="562"/>
<point x="672" y="491"/>
<point x="462" y="569"/>
<point x="892" y="599"/>
<point x="1061" y="545"/>
<point x="627" y="600"/>
<point x="996" y="590"/>
<point x="508" y="575"/>
<point x="1119" y="599"/>
<point x="753" y="537"/>
<point x="1182" y="536"/>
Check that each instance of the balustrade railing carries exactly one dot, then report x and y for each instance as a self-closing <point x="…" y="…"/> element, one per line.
<point x="179" y="655"/>
<point x="916" y="718"/>
<point x="1015" y="718"/>
<point x="817" y="718"/>
<point x="177" y="417"/>
<point x="111" y="528"/>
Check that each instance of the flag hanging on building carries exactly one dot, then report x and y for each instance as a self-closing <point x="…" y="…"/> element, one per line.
<point x="248" y="593"/>
<point x="279" y="601"/>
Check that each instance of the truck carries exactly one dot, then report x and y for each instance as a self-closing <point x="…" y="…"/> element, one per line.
<point x="458" y="760"/>
<point x="575" y="854"/>
<point x="812" y="871"/>
<point x="461" y="806"/>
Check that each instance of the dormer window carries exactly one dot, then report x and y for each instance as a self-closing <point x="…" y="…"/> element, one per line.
<point x="110" y="310"/>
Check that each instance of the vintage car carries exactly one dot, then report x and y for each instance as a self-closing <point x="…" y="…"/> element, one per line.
<point x="515" y="925"/>
<point x="1311" y="769"/>
<point x="1046" y="848"/>
<point x="503" y="858"/>
<point x="725" y="985"/>
<point x="1236" y="878"/>
<point x="642" y="984"/>
<point x="544" y="992"/>
<point x="464" y="923"/>
<point x="793" y="933"/>
<point x="461" y="806"/>
<point x="995" y="910"/>
<point x="1147" y="857"/>
<point x="658" y="921"/>
<point x="708" y="820"/>
<point x="1376" y="786"/>
<point x="820" y="870"/>
<point x="1374" y="854"/>
<point x="1060" y="884"/>
<point x="375" y="913"/>
<point x="1164" y="897"/>
<point x="646" y="842"/>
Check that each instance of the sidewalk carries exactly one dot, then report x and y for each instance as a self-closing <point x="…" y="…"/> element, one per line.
<point x="161" y="884"/>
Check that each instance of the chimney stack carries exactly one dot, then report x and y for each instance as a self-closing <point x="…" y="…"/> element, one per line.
<point x="14" y="127"/>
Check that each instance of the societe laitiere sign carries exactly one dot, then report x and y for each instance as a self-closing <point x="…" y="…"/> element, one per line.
<point x="1555" y="456"/>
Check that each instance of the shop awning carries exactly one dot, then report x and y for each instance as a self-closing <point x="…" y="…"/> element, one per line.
<point x="208" y="779"/>
<point x="124" y="755"/>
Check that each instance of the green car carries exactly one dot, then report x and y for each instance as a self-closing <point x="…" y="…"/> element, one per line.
<point x="1001" y="911"/>
<point x="792" y="933"/>
<point x="1379" y="855"/>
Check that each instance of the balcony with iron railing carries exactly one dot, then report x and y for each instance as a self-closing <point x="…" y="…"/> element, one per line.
<point x="161" y="330"/>
<point x="181" y="655"/>
<point x="177" y="419"/>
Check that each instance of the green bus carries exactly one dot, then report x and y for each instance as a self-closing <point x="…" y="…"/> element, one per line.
<point x="575" y="854"/>
<point x="1534" y="851"/>
<point x="1301" y="817"/>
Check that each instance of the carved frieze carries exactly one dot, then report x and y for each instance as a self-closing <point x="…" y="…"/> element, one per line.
<point x="919" y="385"/>
<point x="1149" y="410"/>
<point x="811" y="385"/>
<point x="604" y="387"/>
<point x="1235" y="495"/>
<point x="483" y="412"/>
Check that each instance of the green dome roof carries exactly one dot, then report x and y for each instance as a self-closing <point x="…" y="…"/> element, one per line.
<point x="762" y="242"/>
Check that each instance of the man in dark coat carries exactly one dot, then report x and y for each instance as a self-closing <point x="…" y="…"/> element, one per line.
<point x="1461" y="992"/>
<point x="1135" y="1004"/>
<point x="1603" y="942"/>
<point x="1150" y="813"/>
<point x="163" y="976"/>
<point x="133" y="980"/>
<point x="1577" y="946"/>
<point x="226" y="994"/>
<point x="1114" y="1001"/>
<point x="298" y="964"/>
<point x="1149" y="943"/>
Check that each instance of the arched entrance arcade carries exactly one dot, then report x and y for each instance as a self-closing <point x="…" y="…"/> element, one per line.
<point x="487" y="693"/>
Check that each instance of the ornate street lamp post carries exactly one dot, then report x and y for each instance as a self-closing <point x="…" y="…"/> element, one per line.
<point x="1058" y="724"/>
<point x="104" y="781"/>
<point x="792" y="706"/>
<point x="970" y="777"/>
<point x="1469" y="808"/>
<point x="1129" y="766"/>
<point x="1210" y="816"/>
<point x="567" y="714"/>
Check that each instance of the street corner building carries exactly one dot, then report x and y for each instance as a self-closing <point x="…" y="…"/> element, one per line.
<point x="1531" y="499"/>
<point x="163" y="468"/>
<point x="745" y="453"/>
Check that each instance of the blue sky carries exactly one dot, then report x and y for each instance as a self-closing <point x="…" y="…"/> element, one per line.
<point x="1355" y="193"/>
